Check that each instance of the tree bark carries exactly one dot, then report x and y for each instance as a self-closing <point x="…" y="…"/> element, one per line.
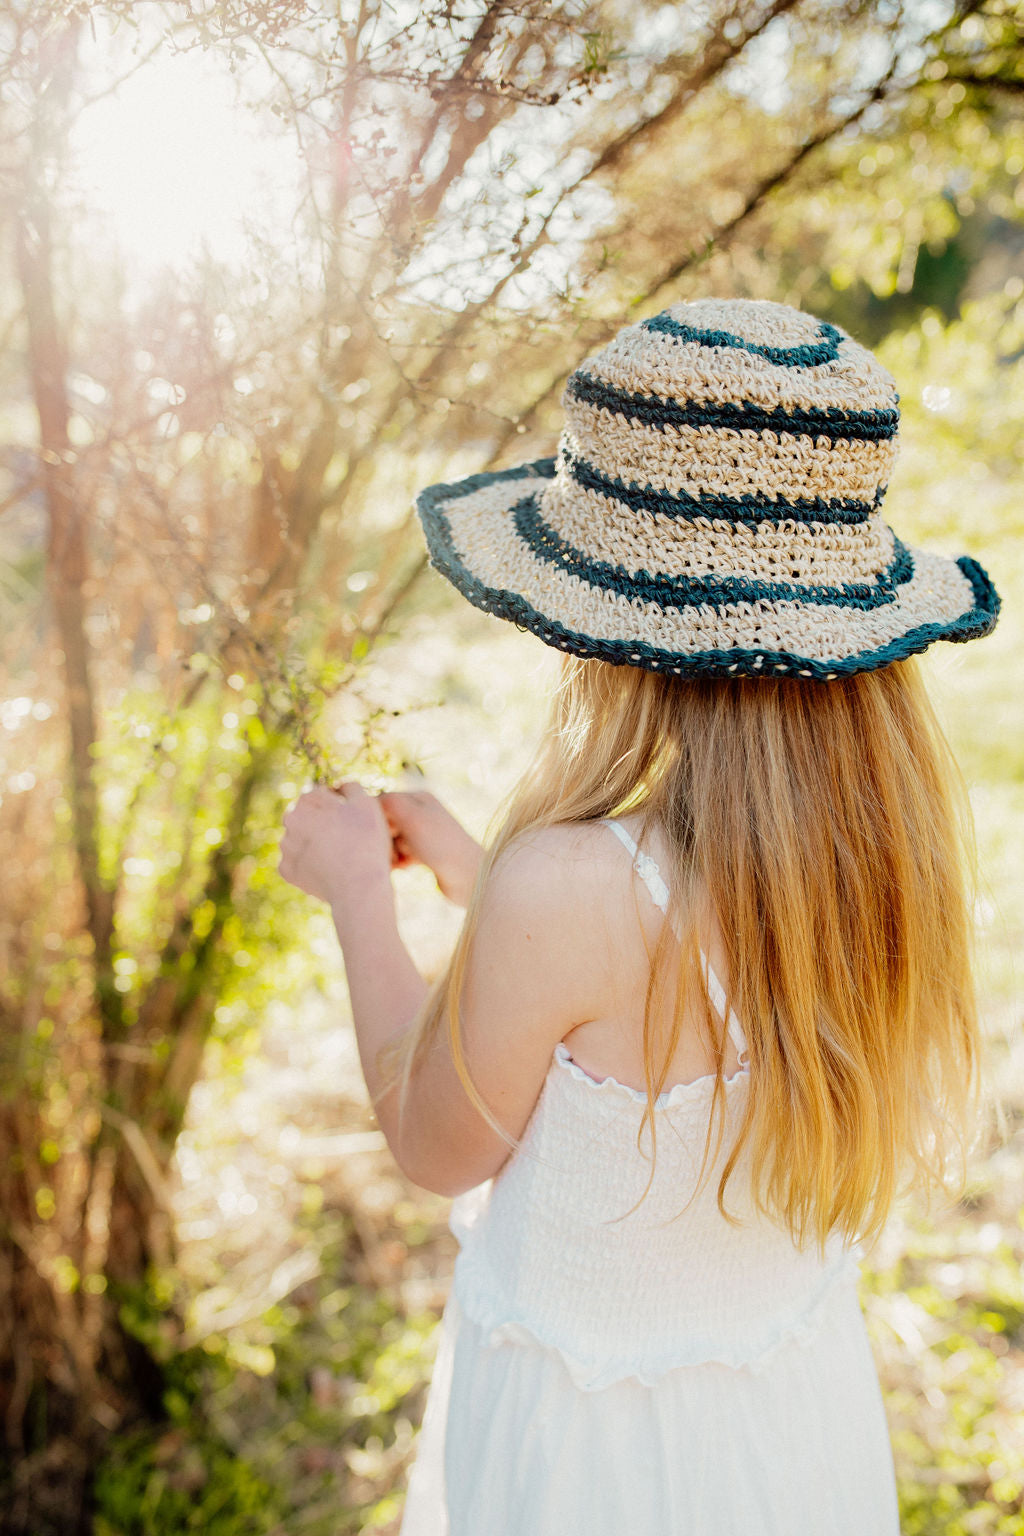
<point x="67" y="555"/>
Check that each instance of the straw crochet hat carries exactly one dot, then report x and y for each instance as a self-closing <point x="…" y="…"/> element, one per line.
<point x="713" y="509"/>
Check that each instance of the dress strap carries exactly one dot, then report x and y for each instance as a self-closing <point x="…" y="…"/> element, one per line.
<point x="650" y="874"/>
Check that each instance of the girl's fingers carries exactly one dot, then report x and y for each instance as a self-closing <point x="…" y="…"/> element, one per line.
<point x="350" y="789"/>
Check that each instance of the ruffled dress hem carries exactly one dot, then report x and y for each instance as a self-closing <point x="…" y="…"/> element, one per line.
<point x="480" y="1306"/>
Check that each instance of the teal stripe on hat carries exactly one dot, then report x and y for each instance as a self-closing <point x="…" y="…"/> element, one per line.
<point x="808" y="356"/>
<point x="694" y="591"/>
<point x="741" y="416"/>
<point x="736" y="661"/>
<point x="750" y="510"/>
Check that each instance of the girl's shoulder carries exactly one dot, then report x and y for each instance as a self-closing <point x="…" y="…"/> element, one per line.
<point x="577" y="876"/>
<point x="561" y="856"/>
<point x="545" y="870"/>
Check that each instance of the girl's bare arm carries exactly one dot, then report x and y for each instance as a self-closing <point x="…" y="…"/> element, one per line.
<point x="528" y="983"/>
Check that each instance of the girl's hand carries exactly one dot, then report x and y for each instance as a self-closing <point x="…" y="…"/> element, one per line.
<point x="423" y="832"/>
<point x="336" y="842"/>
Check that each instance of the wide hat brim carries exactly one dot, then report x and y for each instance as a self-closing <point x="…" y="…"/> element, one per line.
<point x="487" y="535"/>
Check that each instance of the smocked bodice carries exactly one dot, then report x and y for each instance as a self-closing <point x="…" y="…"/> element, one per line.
<point x="550" y="1249"/>
<point x="561" y="1249"/>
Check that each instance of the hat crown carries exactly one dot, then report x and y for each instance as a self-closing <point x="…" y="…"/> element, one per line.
<point x="681" y="391"/>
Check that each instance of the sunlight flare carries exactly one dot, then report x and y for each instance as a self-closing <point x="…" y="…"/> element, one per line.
<point x="174" y="165"/>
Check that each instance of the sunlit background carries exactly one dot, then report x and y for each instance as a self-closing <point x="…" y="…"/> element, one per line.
<point x="171" y="165"/>
<point x="174" y="158"/>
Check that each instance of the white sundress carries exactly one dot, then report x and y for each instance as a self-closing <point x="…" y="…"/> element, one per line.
<point x="600" y="1373"/>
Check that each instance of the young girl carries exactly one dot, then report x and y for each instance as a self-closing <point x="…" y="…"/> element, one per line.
<point x="712" y="1001"/>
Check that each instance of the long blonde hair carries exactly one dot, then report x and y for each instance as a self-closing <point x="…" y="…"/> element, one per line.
<point x="830" y="829"/>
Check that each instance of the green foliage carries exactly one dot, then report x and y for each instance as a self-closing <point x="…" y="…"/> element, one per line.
<point x="962" y="429"/>
<point x="169" y="783"/>
<point x="599" y="52"/>
<point x="181" y="1475"/>
<point x="245" y="1451"/>
<point x="944" y="1333"/>
<point x="180" y="1483"/>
